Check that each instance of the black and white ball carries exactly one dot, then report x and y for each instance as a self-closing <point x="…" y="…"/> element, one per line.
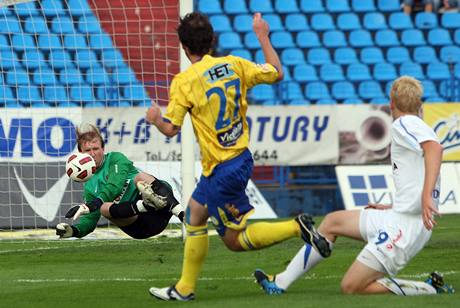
<point x="80" y="167"/>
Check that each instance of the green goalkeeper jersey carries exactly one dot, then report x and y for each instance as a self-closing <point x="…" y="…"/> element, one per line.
<point x="112" y="182"/>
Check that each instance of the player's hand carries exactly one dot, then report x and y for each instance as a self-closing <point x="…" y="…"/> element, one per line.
<point x="153" y="115"/>
<point x="428" y="213"/>
<point x="64" y="230"/>
<point x="377" y="206"/>
<point x="76" y="211"/>
<point x="260" y="26"/>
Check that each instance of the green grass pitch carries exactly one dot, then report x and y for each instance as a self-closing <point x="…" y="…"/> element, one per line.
<point x="118" y="273"/>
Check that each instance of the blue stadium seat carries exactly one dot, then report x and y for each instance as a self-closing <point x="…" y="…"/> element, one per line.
<point x="8" y="59"/>
<point x="220" y="23"/>
<point x="79" y="7"/>
<point x="299" y="102"/>
<point x="296" y="22"/>
<point x="317" y="90"/>
<point x="286" y="6"/>
<point x="292" y="56"/>
<point x="437" y="71"/>
<point x="312" y="6"/>
<point x="6" y="95"/>
<point x="112" y="58"/>
<point x="343" y="90"/>
<point x="5" y="11"/>
<point x="287" y="74"/>
<point x="262" y="92"/>
<point x="22" y="42"/>
<point x="55" y="93"/>
<point x="384" y="72"/>
<point x="370" y="89"/>
<point x="457" y="71"/>
<point x="439" y="37"/>
<point x="100" y="41"/>
<point x="93" y="104"/>
<point x="386" y="38"/>
<point x="318" y="56"/>
<point x="380" y="101"/>
<point x="123" y="75"/>
<point x="52" y="7"/>
<point x="209" y="7"/>
<point x="136" y="93"/>
<point x="363" y="5"/>
<point x="35" y="24"/>
<point x="261" y="6"/>
<point x="28" y="94"/>
<point x="337" y="6"/>
<point x="17" y="76"/>
<point x="374" y="21"/>
<point x="4" y="42"/>
<point x="243" y="53"/>
<point x="68" y="104"/>
<point x="397" y="55"/>
<point x="412" y="37"/>
<point x="89" y="24"/>
<point x="425" y="20"/>
<point x="44" y="76"/>
<point x="75" y="42"/>
<point x="429" y="89"/>
<point x="334" y="39"/>
<point x="70" y="76"/>
<point x="360" y="38"/>
<point x="26" y="9"/>
<point x="326" y="101"/>
<point x="412" y="69"/>
<point x="424" y="54"/>
<point x="304" y="73"/>
<point x="308" y="39"/>
<point x="348" y="21"/>
<point x="345" y="55"/>
<point x="450" y="54"/>
<point x="82" y="93"/>
<point x="282" y="39"/>
<point x="86" y="58"/>
<point x="435" y="100"/>
<point x="259" y="56"/>
<point x="49" y="42"/>
<point x="62" y="25"/>
<point x="457" y="37"/>
<point x="109" y="93"/>
<point x="371" y="55"/>
<point x="450" y="20"/>
<point x="290" y="91"/>
<point x="389" y="5"/>
<point x="251" y="41"/>
<point x="400" y="21"/>
<point x="235" y="7"/>
<point x="32" y="59"/>
<point x="322" y="22"/>
<point x="274" y="21"/>
<point x="97" y="76"/>
<point x="358" y="72"/>
<point x="352" y="101"/>
<point x="331" y="72"/>
<point x="242" y="23"/>
<point x="10" y="25"/>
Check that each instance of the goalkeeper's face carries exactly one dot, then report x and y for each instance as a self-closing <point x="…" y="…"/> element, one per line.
<point x="95" y="149"/>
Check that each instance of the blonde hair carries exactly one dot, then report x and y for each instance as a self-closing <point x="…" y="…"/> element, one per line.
<point x="406" y="94"/>
<point x="87" y="132"/>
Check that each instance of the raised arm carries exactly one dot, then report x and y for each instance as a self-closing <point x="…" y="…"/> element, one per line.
<point x="154" y="117"/>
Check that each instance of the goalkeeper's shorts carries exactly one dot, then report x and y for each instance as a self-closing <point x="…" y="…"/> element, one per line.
<point x="224" y="193"/>
<point x="148" y="224"/>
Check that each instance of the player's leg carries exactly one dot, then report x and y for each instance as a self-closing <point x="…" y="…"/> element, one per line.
<point x="148" y="224"/>
<point x="122" y="214"/>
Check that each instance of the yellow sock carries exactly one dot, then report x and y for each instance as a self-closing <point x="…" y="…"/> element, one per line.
<point x="264" y="234"/>
<point x="195" y="251"/>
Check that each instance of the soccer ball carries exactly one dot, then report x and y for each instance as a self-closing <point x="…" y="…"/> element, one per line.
<point x="80" y="167"/>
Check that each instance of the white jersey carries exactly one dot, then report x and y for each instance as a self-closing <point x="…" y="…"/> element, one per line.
<point x="407" y="160"/>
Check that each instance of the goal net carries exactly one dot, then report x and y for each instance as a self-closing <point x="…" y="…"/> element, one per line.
<point x="67" y="62"/>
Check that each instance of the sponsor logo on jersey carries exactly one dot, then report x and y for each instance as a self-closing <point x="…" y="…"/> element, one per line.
<point x="231" y="136"/>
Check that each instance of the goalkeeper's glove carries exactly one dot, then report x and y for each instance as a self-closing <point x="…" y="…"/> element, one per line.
<point x="64" y="230"/>
<point x="163" y="189"/>
<point x="76" y="211"/>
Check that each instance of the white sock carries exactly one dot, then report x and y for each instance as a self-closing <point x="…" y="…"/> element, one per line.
<point x="407" y="287"/>
<point x="140" y="206"/>
<point x="304" y="260"/>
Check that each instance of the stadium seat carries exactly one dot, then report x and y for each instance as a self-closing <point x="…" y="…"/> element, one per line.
<point x="4" y="42"/>
<point x="123" y="75"/>
<point x="457" y="71"/>
<point x="322" y="22"/>
<point x="360" y="38"/>
<point x="10" y="25"/>
<point x="389" y="5"/>
<point x="326" y="101"/>
<point x="348" y="21"/>
<point x="26" y="9"/>
<point x="439" y="37"/>
<point x="55" y="93"/>
<point x="82" y="93"/>
<point x="70" y="76"/>
<point x="304" y="73"/>
<point x="243" y="53"/>
<point x="262" y="92"/>
<point x="79" y="7"/>
<point x="345" y="55"/>
<point x="451" y="20"/>
<point x="292" y="56"/>
<point x="220" y="23"/>
<point x="352" y="101"/>
<point x="136" y="93"/>
<point x="261" y="6"/>
<point x="232" y="7"/>
<point x="374" y="21"/>
<point x="412" y="69"/>
<point x="317" y="90"/>
<point x="32" y="59"/>
<point x="379" y="101"/>
<point x="437" y="71"/>
<point x="386" y="38"/>
<point x="274" y="21"/>
<point x="97" y="76"/>
<point x="457" y="37"/>
<point x="337" y="6"/>
<point x="363" y="5"/>
<point x="429" y="89"/>
<point x="286" y="6"/>
<point x="384" y="72"/>
<point x="299" y="102"/>
<point x="412" y="37"/>
<point x="36" y="25"/>
<point x="209" y="7"/>
<point x="370" y="89"/>
<point x="109" y="93"/>
<point x="49" y="42"/>
<point x="17" y="76"/>
<point x="6" y="95"/>
<point x="343" y="90"/>
<point x="318" y="56"/>
<point x="52" y="7"/>
<point x="259" y="56"/>
<point x="450" y="54"/>
<point x="424" y="20"/>
<point x="424" y="54"/>
<point x="400" y="21"/>
<point x="307" y="39"/>
<point x="242" y="23"/>
<point x="282" y="39"/>
<point x="86" y="58"/>
<point x="8" y="59"/>
<point x="22" y="42"/>
<point x="44" y="77"/>
<point x="89" y="24"/>
<point x="290" y="91"/>
<point x="100" y="41"/>
<point x="28" y="94"/>
<point x="358" y="72"/>
<point x="111" y="58"/>
<point x="296" y="22"/>
<point x="371" y="55"/>
<point x="331" y="72"/>
<point x="62" y="25"/>
<point x="448" y="90"/>
<point x="75" y="42"/>
<point x="397" y="55"/>
<point x="93" y="104"/>
<point x="251" y="41"/>
<point x="312" y="6"/>
<point x="334" y="39"/>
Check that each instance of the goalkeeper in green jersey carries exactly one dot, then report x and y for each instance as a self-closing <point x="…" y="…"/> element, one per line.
<point x="138" y="203"/>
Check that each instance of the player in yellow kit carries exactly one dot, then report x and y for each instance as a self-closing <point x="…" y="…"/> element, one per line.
<point x="213" y="90"/>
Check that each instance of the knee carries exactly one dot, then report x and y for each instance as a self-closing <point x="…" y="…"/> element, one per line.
<point x="348" y="287"/>
<point x="231" y="241"/>
<point x="105" y="209"/>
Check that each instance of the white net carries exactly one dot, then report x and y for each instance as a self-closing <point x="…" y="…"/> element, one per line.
<point x="64" y="62"/>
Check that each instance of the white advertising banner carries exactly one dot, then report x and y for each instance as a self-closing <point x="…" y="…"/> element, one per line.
<point x="360" y="185"/>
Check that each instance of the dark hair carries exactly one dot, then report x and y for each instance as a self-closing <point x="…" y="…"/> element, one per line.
<point x="196" y="33"/>
<point x="88" y="132"/>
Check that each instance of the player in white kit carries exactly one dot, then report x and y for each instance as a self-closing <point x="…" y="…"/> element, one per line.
<point x="394" y="233"/>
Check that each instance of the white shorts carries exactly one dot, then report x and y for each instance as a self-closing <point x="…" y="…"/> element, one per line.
<point x="393" y="238"/>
